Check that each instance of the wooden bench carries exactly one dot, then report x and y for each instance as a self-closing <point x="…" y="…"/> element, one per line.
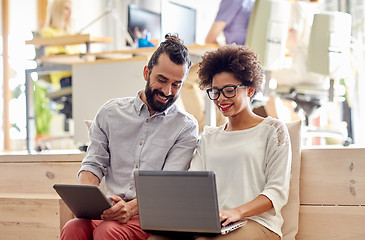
<point x="29" y="206"/>
<point x="332" y="194"/>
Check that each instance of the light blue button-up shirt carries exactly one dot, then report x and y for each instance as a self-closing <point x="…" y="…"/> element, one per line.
<point x="124" y="137"/>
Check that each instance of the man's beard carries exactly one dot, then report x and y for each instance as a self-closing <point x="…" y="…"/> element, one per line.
<point x="154" y="104"/>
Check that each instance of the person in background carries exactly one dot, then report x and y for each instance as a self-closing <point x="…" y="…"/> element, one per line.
<point x="250" y="155"/>
<point x="232" y="18"/>
<point x="58" y="23"/>
<point x="146" y="132"/>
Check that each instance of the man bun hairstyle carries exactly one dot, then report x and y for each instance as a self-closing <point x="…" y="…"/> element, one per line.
<point x="174" y="47"/>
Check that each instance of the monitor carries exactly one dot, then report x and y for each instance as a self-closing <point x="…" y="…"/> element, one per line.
<point x="178" y="19"/>
<point x="144" y="20"/>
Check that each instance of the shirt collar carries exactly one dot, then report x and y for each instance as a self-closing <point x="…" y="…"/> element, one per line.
<point x="139" y="105"/>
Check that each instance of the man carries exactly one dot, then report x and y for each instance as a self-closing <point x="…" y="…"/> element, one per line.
<point x="232" y="18"/>
<point x="147" y="132"/>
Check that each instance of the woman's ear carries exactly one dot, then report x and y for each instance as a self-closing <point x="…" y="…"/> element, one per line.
<point x="250" y="92"/>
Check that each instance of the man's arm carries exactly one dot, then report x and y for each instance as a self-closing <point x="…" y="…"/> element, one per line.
<point x="181" y="153"/>
<point x="216" y="28"/>
<point x="88" y="178"/>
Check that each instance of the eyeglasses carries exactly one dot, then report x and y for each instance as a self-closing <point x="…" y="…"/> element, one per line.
<point x="229" y="91"/>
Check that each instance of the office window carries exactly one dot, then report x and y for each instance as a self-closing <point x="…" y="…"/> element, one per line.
<point x="1" y="81"/>
<point x="19" y="53"/>
<point x="357" y="10"/>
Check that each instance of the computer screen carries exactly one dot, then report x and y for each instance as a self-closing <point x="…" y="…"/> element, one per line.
<point x="178" y="19"/>
<point x="144" y="20"/>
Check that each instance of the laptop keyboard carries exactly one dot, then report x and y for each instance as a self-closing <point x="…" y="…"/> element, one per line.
<point x="233" y="226"/>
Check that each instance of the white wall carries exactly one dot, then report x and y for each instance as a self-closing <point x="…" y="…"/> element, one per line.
<point x="83" y="13"/>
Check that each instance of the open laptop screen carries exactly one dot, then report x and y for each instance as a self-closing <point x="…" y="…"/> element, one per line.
<point x="184" y="201"/>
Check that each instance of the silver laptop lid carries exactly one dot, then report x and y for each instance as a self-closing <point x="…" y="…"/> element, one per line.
<point x="184" y="201"/>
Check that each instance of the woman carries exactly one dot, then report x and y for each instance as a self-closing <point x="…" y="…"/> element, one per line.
<point x="58" y="24"/>
<point x="249" y="154"/>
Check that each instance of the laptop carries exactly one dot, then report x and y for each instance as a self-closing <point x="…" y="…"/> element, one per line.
<point x="85" y="201"/>
<point x="179" y="201"/>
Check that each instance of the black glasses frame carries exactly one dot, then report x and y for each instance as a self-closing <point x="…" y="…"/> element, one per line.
<point x="220" y="90"/>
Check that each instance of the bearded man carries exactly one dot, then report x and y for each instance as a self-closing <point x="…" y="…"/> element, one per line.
<point x="146" y="132"/>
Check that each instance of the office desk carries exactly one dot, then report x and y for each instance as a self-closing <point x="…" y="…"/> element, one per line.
<point x="86" y="39"/>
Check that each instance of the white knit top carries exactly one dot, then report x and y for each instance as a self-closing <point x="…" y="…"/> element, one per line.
<point x="248" y="163"/>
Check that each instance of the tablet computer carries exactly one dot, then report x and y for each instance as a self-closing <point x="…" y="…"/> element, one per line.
<point x="85" y="201"/>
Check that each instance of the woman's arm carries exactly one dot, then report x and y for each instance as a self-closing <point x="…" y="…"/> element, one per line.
<point x="257" y="206"/>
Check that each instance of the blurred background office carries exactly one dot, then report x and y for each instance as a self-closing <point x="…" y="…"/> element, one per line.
<point x="118" y="20"/>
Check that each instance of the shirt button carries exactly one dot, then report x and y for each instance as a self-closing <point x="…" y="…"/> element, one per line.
<point x="136" y="166"/>
<point x="140" y="143"/>
<point x="130" y="188"/>
<point x="147" y="120"/>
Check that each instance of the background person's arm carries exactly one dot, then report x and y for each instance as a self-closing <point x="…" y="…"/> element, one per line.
<point x="216" y="28"/>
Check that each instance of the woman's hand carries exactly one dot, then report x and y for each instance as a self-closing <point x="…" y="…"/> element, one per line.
<point x="257" y="206"/>
<point x="228" y="216"/>
<point x="121" y="211"/>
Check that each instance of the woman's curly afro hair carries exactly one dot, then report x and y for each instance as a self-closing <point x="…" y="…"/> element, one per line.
<point x="239" y="60"/>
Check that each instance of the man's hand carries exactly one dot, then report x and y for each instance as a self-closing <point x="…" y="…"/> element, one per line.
<point x="121" y="211"/>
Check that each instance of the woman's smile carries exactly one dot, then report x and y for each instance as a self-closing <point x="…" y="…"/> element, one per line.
<point x="224" y="107"/>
